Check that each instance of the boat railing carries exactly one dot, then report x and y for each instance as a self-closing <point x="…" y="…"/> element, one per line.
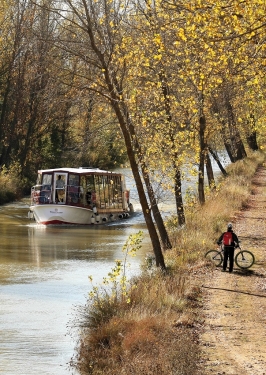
<point x="41" y="194"/>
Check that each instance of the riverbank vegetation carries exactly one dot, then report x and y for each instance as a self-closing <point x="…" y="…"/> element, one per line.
<point x="12" y="185"/>
<point x="151" y="326"/>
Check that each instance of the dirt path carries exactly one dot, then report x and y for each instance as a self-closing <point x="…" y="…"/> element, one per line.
<point x="234" y="337"/>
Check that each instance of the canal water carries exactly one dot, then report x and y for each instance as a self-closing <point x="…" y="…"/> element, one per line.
<point x="44" y="276"/>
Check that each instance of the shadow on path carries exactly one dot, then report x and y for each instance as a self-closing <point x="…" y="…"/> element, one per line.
<point x="234" y="291"/>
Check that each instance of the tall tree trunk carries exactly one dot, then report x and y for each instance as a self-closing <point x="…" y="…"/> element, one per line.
<point x="141" y="192"/>
<point x="216" y="158"/>
<point x="177" y="174"/>
<point x="120" y="109"/>
<point x="229" y="150"/>
<point x="178" y="197"/>
<point x="153" y="202"/>
<point x="202" y="122"/>
<point x="239" y="151"/>
<point x="210" y="174"/>
<point x="155" y="210"/>
<point x="252" y="141"/>
<point x="252" y="136"/>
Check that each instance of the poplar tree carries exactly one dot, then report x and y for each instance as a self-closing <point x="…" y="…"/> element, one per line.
<point x="96" y="35"/>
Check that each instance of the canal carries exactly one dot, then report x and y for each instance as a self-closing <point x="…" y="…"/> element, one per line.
<point x="44" y="276"/>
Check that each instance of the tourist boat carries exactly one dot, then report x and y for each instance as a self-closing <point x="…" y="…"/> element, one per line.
<point x="79" y="196"/>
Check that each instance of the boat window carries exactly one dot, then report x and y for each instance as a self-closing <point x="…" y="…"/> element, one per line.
<point x="90" y="183"/>
<point x="99" y="190"/>
<point x="46" y="179"/>
<point x="104" y="191"/>
<point x="117" y="191"/>
<point x="73" y="189"/>
<point x="90" y="190"/>
<point x="73" y="180"/>
<point x="108" y="191"/>
<point x="87" y="190"/>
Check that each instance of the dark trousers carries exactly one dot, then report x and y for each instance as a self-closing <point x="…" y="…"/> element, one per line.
<point x="229" y="253"/>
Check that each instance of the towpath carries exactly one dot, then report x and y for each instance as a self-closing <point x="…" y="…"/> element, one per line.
<point x="233" y="340"/>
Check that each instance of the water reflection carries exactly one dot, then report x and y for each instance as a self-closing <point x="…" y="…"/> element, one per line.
<point x="44" y="275"/>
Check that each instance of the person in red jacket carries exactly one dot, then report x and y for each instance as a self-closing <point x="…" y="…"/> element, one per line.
<point x="230" y="242"/>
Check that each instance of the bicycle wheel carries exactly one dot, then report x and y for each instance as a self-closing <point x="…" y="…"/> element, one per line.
<point x="215" y="257"/>
<point x="244" y="259"/>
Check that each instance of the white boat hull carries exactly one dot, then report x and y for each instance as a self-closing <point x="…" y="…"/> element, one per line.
<point x="54" y="214"/>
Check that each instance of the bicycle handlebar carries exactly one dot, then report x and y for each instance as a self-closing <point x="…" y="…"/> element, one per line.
<point x="236" y="246"/>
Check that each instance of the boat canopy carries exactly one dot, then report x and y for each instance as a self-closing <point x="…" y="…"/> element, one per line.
<point x="80" y="170"/>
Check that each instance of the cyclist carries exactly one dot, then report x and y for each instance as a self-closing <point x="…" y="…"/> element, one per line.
<point x="230" y="242"/>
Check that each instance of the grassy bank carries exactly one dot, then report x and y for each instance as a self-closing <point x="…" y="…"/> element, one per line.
<point x="149" y="325"/>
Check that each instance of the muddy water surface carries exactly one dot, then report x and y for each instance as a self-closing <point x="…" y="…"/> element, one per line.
<point x="44" y="275"/>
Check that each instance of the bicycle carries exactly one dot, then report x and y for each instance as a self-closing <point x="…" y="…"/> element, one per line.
<point x="244" y="258"/>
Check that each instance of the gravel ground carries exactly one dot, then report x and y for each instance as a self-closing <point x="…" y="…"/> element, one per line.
<point x="233" y="340"/>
